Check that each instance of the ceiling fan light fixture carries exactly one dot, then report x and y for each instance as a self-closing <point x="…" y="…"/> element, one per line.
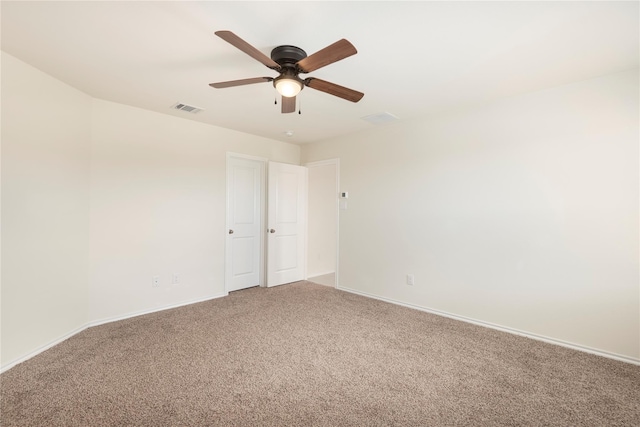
<point x="288" y="87"/>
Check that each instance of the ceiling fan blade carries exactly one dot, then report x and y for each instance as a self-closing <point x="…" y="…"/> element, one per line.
<point x="330" y="54"/>
<point x="236" y="41"/>
<point x="241" y="82"/>
<point x="288" y="104"/>
<point x="334" y="89"/>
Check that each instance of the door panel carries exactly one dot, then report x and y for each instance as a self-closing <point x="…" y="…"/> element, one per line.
<point x="245" y="189"/>
<point x="286" y="248"/>
<point x="243" y="256"/>
<point x="287" y="189"/>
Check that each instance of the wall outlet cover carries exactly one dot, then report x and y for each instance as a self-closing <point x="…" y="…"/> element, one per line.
<point x="410" y="279"/>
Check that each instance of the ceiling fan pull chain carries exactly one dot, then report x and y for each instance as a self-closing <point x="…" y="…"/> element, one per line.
<point x="299" y="105"/>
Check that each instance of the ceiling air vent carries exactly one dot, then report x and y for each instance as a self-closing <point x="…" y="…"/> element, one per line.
<point x="187" y="108"/>
<point x="380" y="118"/>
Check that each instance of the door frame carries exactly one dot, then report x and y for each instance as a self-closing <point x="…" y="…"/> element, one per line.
<point x="335" y="162"/>
<point x="263" y="204"/>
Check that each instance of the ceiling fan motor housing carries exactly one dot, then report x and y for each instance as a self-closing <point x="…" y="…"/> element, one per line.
<point x="287" y="56"/>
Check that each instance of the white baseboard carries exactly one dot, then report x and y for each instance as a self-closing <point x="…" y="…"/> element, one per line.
<point x="41" y="349"/>
<point x="310" y="276"/>
<point x="543" y="338"/>
<point x="68" y="335"/>
<point x="152" y="310"/>
<point x="573" y="346"/>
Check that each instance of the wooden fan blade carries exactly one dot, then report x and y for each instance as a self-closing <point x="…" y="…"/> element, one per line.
<point x="241" y="82"/>
<point x="334" y="89"/>
<point x="330" y="54"/>
<point x="288" y="104"/>
<point x="236" y="41"/>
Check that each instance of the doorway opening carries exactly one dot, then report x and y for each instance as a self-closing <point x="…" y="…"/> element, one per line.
<point x="266" y="223"/>
<point x="322" y="246"/>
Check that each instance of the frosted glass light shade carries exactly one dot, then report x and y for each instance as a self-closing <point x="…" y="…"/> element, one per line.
<point x="288" y="87"/>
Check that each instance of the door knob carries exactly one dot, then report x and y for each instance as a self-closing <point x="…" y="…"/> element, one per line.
<point x="230" y="231"/>
<point x="272" y="231"/>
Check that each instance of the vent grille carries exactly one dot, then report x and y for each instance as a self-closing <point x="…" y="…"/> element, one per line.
<point x="187" y="108"/>
<point x="380" y="118"/>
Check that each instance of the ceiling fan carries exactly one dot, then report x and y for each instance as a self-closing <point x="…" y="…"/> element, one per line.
<point x="290" y="62"/>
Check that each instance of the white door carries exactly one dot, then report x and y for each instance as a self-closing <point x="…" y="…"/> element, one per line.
<point x="245" y="225"/>
<point x="286" y="223"/>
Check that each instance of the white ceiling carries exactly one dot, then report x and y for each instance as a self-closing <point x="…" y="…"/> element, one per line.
<point x="414" y="58"/>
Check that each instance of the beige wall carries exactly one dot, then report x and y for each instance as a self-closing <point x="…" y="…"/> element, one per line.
<point x="97" y="198"/>
<point x="522" y="213"/>
<point x="158" y="206"/>
<point x="45" y="209"/>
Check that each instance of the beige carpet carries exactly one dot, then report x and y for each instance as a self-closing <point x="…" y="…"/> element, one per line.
<point x="309" y="355"/>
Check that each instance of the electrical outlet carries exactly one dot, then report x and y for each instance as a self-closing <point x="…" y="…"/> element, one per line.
<point x="155" y="281"/>
<point x="410" y="279"/>
<point x="175" y="278"/>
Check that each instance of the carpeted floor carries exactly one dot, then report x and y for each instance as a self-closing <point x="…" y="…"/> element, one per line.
<point x="309" y="355"/>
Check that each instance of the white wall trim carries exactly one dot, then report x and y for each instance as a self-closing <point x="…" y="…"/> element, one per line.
<point x="321" y="274"/>
<point x="153" y="310"/>
<point x="562" y="343"/>
<point x="42" y="348"/>
<point x="585" y="349"/>
<point x="100" y="322"/>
